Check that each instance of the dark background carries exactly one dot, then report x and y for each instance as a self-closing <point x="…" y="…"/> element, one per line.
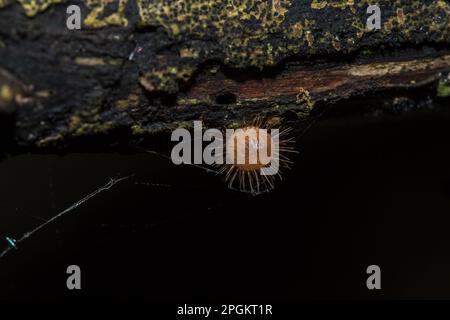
<point x="363" y="190"/>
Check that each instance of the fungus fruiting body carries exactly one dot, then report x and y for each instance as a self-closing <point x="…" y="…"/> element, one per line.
<point x="255" y="156"/>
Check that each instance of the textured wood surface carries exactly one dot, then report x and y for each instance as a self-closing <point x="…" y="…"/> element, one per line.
<point x="138" y="68"/>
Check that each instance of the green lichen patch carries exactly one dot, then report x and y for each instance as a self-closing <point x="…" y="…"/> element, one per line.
<point x="32" y="7"/>
<point x="443" y="89"/>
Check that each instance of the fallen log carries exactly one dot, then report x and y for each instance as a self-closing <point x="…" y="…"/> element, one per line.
<point x="144" y="67"/>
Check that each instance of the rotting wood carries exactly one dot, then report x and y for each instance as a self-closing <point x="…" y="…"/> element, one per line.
<point x="143" y="67"/>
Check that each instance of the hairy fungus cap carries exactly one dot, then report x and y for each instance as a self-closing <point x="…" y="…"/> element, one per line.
<point x="250" y="148"/>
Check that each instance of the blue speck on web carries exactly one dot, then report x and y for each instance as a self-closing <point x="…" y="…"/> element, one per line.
<point x="12" y="242"/>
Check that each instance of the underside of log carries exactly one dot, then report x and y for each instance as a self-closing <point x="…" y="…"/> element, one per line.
<point x="138" y="68"/>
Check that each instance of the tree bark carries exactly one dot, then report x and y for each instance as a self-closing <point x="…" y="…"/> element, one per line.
<point x="138" y="68"/>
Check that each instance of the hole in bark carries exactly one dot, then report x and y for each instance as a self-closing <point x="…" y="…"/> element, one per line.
<point x="226" y="98"/>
